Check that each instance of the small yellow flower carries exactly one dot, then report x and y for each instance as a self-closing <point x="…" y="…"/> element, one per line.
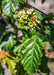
<point x="31" y="25"/>
<point x="33" y="13"/>
<point x="23" y="18"/>
<point x="20" y="13"/>
<point x="29" y="12"/>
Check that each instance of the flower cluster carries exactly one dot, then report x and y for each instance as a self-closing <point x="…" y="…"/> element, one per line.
<point x="22" y="16"/>
<point x="28" y="18"/>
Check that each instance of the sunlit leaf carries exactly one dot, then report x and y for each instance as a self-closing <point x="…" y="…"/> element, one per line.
<point x="11" y="64"/>
<point x="22" y="27"/>
<point x="7" y="45"/>
<point x="39" y="15"/>
<point x="9" y="6"/>
<point x="31" y="53"/>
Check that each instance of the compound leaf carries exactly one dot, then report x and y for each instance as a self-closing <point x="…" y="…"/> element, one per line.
<point x="9" y="6"/>
<point x="31" y="50"/>
<point x="7" y="45"/>
<point x="32" y="53"/>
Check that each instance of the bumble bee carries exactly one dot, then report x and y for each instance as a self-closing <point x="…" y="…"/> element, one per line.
<point x="33" y="17"/>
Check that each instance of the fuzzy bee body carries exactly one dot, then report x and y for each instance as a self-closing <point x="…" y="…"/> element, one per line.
<point x="33" y="17"/>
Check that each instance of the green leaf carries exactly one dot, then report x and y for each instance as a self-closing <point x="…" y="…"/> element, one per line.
<point x="22" y="27"/>
<point x="7" y="45"/>
<point x="47" y="30"/>
<point x="11" y="64"/>
<point x="39" y="15"/>
<point x="21" y="1"/>
<point x="2" y="31"/>
<point x="32" y="52"/>
<point x="9" y="6"/>
<point x="17" y="49"/>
